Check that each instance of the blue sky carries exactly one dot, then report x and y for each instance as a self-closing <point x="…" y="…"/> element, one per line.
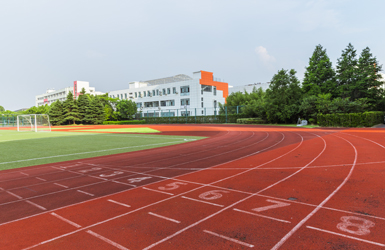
<point x="49" y="44"/>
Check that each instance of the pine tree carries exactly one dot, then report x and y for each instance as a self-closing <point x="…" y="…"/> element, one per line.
<point x="347" y="72"/>
<point x="56" y="113"/>
<point x="83" y="103"/>
<point x="319" y="75"/>
<point x="70" y="110"/>
<point x="95" y="111"/>
<point x="368" y="83"/>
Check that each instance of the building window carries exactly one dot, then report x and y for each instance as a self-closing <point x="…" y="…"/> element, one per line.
<point x="149" y="93"/>
<point x="185" y="102"/>
<point x="140" y="94"/>
<point x="215" y="90"/>
<point x="185" y="90"/>
<point x="144" y="93"/>
<point x="157" y="92"/>
<point x="125" y="95"/>
<point x="202" y="104"/>
<point x="139" y="104"/>
<point x="164" y="91"/>
<point x="168" y="91"/>
<point x="202" y="99"/>
<point x="121" y="96"/>
<point x="174" y="90"/>
<point x="153" y="92"/>
<point x="215" y="104"/>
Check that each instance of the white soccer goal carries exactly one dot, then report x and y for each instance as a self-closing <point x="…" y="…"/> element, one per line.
<point x="34" y="122"/>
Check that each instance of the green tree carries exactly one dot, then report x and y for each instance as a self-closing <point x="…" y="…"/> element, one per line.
<point x="83" y="103"/>
<point x="109" y="104"/>
<point x="95" y="111"/>
<point x="70" y="110"/>
<point x="2" y="109"/>
<point x="56" y="113"/>
<point x="319" y="75"/>
<point x="283" y="97"/>
<point x="125" y="109"/>
<point x="368" y="84"/>
<point x="347" y="72"/>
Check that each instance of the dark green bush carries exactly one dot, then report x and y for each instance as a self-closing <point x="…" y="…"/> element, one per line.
<point x="367" y="119"/>
<point x="124" y="122"/>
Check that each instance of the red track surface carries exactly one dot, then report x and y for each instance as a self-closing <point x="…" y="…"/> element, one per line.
<point x="243" y="187"/>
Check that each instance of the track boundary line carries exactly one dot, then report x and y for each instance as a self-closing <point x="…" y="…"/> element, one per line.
<point x="107" y="240"/>
<point x="66" y="220"/>
<point x="229" y="239"/>
<point x="150" y="189"/>
<point x="260" y="215"/>
<point x="214" y="204"/>
<point x="119" y="203"/>
<point x="163" y="217"/>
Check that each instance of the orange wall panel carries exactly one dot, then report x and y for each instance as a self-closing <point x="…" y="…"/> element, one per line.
<point x="207" y="78"/>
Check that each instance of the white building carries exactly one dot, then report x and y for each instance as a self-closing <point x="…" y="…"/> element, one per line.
<point x="249" y="87"/>
<point x="52" y="95"/>
<point x="178" y="95"/>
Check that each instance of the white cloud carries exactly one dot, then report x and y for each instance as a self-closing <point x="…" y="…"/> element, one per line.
<point x="264" y="55"/>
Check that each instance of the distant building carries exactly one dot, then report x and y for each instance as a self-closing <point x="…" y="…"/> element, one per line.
<point x="249" y="87"/>
<point x="177" y="95"/>
<point x="20" y="110"/>
<point x="52" y="95"/>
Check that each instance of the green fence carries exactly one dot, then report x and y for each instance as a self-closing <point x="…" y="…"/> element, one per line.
<point x="192" y="115"/>
<point x="8" y="120"/>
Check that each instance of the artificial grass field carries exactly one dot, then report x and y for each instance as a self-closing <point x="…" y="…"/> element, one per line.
<point x="21" y="149"/>
<point x="125" y="130"/>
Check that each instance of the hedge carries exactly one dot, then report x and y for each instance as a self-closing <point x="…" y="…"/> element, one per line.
<point x="250" y="121"/>
<point x="124" y="122"/>
<point x="194" y="119"/>
<point x="367" y="119"/>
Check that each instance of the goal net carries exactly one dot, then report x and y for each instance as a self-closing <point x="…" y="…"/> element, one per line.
<point x="34" y="123"/>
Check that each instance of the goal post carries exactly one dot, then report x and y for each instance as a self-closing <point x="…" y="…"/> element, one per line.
<point x="34" y="123"/>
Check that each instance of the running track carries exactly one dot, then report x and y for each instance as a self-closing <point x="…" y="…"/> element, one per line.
<point x="244" y="187"/>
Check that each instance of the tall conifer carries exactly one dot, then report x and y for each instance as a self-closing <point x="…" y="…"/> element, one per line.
<point x="319" y="75"/>
<point x="70" y="110"/>
<point x="347" y="71"/>
<point x="83" y="104"/>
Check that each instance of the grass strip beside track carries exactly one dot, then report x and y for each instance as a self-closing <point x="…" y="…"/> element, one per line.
<point x="36" y="151"/>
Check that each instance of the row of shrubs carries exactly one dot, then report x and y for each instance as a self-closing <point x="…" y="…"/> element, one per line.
<point x="194" y="119"/>
<point x="251" y="121"/>
<point x="367" y="119"/>
<point x="124" y="122"/>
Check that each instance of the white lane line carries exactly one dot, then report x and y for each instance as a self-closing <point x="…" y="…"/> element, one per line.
<point x="107" y="240"/>
<point x="85" y="193"/>
<point x="40" y="179"/>
<point x="66" y="220"/>
<point x="260" y="215"/>
<point x="19" y="197"/>
<point x="36" y="205"/>
<point x="90" y="152"/>
<point x="163" y="217"/>
<point x="157" y="191"/>
<point x="218" y="205"/>
<point x="60" y="185"/>
<point x="304" y="220"/>
<point x="347" y="236"/>
<point x="119" y="203"/>
<point x="230" y="239"/>
<point x="24" y="173"/>
<point x="1" y="188"/>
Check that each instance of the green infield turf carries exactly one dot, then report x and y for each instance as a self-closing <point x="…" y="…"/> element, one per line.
<point x="124" y="130"/>
<point x="21" y="149"/>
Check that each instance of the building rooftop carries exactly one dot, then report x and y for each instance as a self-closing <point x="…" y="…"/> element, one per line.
<point x="170" y="79"/>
